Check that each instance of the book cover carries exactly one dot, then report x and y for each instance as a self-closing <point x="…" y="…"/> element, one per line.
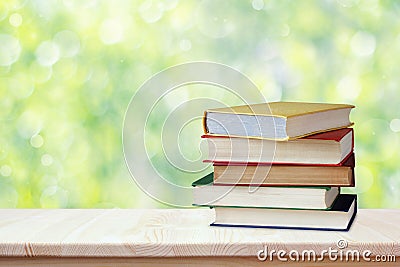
<point x="255" y="199"/>
<point x="327" y="149"/>
<point x="342" y="205"/>
<point x="282" y="112"/>
<point x="281" y="109"/>
<point x="286" y="174"/>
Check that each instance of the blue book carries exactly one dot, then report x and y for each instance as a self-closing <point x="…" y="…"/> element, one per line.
<point x="338" y="218"/>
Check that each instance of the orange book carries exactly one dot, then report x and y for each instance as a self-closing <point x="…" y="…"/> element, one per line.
<point x="286" y="174"/>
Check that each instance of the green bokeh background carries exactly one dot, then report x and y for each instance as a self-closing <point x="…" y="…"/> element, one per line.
<point x="69" y="68"/>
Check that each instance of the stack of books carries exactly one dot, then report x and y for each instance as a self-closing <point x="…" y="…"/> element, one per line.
<point x="280" y="165"/>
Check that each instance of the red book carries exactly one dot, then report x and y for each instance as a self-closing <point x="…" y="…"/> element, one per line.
<point x="328" y="148"/>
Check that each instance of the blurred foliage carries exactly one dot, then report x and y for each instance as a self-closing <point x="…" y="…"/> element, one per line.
<point x="68" y="69"/>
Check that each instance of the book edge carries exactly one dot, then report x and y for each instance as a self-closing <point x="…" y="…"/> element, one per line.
<point x="276" y="139"/>
<point x="334" y="107"/>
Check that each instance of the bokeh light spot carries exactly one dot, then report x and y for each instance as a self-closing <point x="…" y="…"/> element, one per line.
<point x="47" y="53"/>
<point x="257" y="4"/>
<point x="151" y="11"/>
<point x="10" y="49"/>
<point x="395" y="125"/>
<point x="5" y="170"/>
<point x="68" y="42"/>
<point x="363" y="44"/>
<point x="47" y="160"/>
<point x="15" y="20"/>
<point x="285" y="30"/>
<point x="349" y="88"/>
<point x="36" y="141"/>
<point x="39" y="73"/>
<point x="111" y="31"/>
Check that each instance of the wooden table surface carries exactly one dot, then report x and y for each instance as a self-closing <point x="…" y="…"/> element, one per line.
<point x="154" y="233"/>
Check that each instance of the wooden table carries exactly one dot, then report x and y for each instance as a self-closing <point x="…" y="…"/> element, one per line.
<point x="123" y="237"/>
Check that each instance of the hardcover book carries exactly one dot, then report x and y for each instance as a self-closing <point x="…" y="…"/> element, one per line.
<point x="205" y="193"/>
<point x="324" y="148"/>
<point x="286" y="174"/>
<point x="276" y="120"/>
<point x="338" y="218"/>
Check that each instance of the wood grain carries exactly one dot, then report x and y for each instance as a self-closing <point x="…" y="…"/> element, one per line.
<point x="174" y="261"/>
<point x="175" y="233"/>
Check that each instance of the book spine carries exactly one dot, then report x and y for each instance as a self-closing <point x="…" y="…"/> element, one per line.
<point x="204" y="122"/>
